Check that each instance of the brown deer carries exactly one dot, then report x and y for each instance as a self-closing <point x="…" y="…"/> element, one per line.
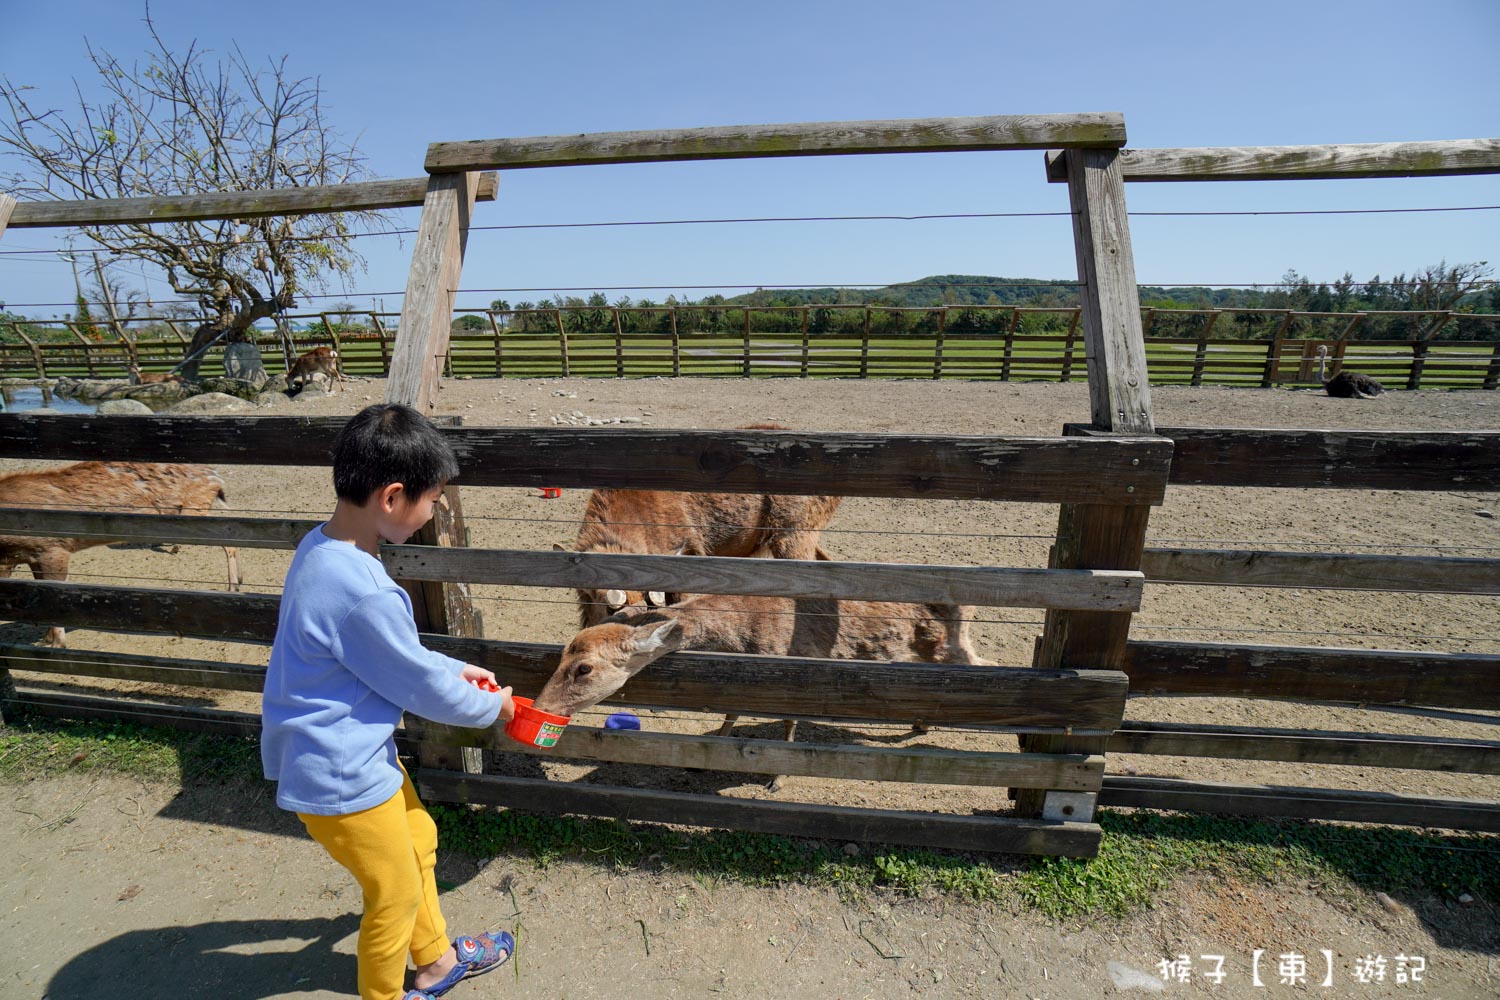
<point x="318" y="361"/>
<point x="150" y="378"/>
<point x="649" y="522"/>
<point x="599" y="660"/>
<point x="121" y="487"/>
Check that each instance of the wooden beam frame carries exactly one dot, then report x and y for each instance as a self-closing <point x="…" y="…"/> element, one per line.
<point x="911" y="135"/>
<point x="1284" y="163"/>
<point x="1322" y="571"/>
<point x="356" y="197"/>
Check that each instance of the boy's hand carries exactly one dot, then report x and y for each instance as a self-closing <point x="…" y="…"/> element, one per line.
<point x="507" y="706"/>
<point x="485" y="680"/>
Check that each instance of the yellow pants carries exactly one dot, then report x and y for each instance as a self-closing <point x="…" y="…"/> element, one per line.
<point x="390" y="849"/>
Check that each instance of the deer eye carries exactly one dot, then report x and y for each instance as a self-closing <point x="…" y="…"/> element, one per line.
<point x="583" y="670"/>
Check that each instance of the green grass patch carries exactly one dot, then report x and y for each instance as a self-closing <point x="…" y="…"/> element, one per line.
<point x="1142" y="854"/>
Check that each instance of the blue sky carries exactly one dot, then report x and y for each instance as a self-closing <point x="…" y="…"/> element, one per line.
<point x="1183" y="74"/>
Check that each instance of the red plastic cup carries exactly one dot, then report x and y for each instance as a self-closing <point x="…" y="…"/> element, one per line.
<point x="535" y="728"/>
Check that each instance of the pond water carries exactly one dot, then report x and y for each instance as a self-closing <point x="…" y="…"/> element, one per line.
<point x="30" y="397"/>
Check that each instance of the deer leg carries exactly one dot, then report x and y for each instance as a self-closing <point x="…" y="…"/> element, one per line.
<point x="232" y="556"/>
<point x="729" y="721"/>
<point x="51" y="566"/>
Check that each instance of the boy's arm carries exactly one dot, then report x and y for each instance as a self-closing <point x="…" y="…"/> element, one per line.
<point x="378" y="642"/>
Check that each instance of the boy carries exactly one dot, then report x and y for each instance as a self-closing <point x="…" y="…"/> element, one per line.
<point x="345" y="663"/>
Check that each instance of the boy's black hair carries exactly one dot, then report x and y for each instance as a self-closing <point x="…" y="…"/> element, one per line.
<point x="390" y="443"/>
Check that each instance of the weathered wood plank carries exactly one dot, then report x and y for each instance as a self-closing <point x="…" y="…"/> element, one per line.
<point x="911" y="135"/>
<point x="1321" y="570"/>
<point x="7" y="211"/>
<point x="973" y="467"/>
<point x="1377" y="676"/>
<point x="133" y="667"/>
<point x="1308" y="747"/>
<point x="1335" y="459"/>
<point x="838" y="823"/>
<point x="200" y="614"/>
<point x="182" y="529"/>
<point x="990" y="587"/>
<point x="1306" y="803"/>
<point x="940" y="694"/>
<point x="925" y="765"/>
<point x="355" y="197"/>
<point x="1280" y="163"/>
<point x="190" y="718"/>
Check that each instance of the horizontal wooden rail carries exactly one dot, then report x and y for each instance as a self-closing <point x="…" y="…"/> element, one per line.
<point x="1307" y="746"/>
<point x="925" y="765"/>
<point x="1322" y="571"/>
<point x="909" y="135"/>
<point x="133" y="667"/>
<point x="1334" y="459"/>
<point x="1377" y="676"/>
<point x="1305" y="803"/>
<point x="1103" y="590"/>
<point x="1011" y="698"/>
<point x="190" y="718"/>
<point x="1129" y="471"/>
<point x="354" y="197"/>
<point x="791" y="819"/>
<point x="154" y="529"/>
<point x="1289" y="163"/>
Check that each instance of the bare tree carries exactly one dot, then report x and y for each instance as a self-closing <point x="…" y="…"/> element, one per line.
<point x="183" y="124"/>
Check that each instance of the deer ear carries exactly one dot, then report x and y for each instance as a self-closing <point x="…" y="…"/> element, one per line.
<point x="558" y="548"/>
<point x="654" y="638"/>
<point x="681" y="547"/>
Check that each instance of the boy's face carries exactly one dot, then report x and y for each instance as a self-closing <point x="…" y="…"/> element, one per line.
<point x="399" y="514"/>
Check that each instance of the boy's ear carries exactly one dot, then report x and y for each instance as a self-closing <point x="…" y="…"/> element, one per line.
<point x="388" y="494"/>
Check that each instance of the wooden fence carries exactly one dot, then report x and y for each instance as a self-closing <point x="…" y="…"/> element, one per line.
<point x="1024" y="344"/>
<point x="1068" y="707"/>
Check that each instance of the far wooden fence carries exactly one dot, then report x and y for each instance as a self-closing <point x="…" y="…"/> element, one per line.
<point x="1024" y="344"/>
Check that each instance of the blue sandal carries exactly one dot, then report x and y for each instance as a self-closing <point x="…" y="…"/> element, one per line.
<point x="476" y="956"/>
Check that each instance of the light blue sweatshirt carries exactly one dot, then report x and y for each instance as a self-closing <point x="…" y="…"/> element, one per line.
<point x="345" y="663"/>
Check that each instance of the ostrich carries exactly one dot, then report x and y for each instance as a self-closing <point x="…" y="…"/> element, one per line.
<point x="1347" y="384"/>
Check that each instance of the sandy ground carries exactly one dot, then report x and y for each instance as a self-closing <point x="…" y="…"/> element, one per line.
<point x="719" y="939"/>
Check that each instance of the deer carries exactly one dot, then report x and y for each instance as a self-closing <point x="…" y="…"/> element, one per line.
<point x="150" y="378"/>
<point x="318" y="361"/>
<point x="601" y="658"/>
<point x="122" y="487"/>
<point x="648" y="522"/>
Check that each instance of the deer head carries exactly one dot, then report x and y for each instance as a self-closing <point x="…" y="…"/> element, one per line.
<point x="599" y="660"/>
<point x="614" y="600"/>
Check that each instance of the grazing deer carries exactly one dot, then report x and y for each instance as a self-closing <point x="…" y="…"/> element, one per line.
<point x="599" y="660"/>
<point x="649" y="522"/>
<point x="121" y="487"/>
<point x="318" y="361"/>
<point x="150" y="378"/>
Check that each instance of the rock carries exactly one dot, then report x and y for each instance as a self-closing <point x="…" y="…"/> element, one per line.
<point x="310" y="391"/>
<point x="851" y="849"/>
<point x="123" y="406"/>
<point x="228" y="386"/>
<point x="208" y="402"/>
<point x="1481" y="512"/>
<point x="1466" y="899"/>
<point x="158" y="394"/>
<point x="94" y="388"/>
<point x="630" y="420"/>
<point x="1126" y="978"/>
<point x="242" y="361"/>
<point x="276" y="383"/>
<point x="271" y="399"/>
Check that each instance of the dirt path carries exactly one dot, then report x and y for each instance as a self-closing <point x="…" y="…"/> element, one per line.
<point x="122" y="890"/>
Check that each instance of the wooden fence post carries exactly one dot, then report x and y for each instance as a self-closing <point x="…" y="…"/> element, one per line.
<point x="805" y="310"/>
<point x="676" y="344"/>
<point x="385" y="344"/>
<point x="562" y="342"/>
<point x="937" y="354"/>
<point x="1421" y="346"/>
<point x="1492" y="373"/>
<point x="7" y="207"/>
<point x="1072" y="338"/>
<point x="1010" y="343"/>
<point x="745" y="368"/>
<point x="1273" y="352"/>
<point x="499" y="350"/>
<point x="36" y="352"/>
<point x="421" y="339"/>
<point x="619" y="346"/>
<point x="864" y="348"/>
<point x="1097" y="536"/>
<point x="88" y="353"/>
<point x="1200" y="353"/>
